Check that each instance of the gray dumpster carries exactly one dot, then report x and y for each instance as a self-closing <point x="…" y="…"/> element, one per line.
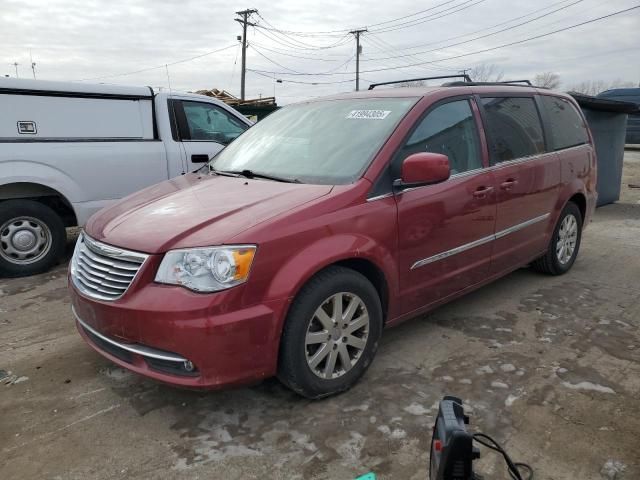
<point x="607" y="120"/>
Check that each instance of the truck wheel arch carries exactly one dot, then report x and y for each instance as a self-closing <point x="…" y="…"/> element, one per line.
<point x="43" y="194"/>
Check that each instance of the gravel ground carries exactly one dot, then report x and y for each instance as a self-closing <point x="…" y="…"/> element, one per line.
<point x="549" y="366"/>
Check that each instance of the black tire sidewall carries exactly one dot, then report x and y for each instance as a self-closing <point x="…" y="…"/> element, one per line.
<point x="293" y="369"/>
<point x="29" y="208"/>
<point x="569" y="209"/>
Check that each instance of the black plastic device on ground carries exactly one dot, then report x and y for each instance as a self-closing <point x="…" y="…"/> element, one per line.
<point x="452" y="450"/>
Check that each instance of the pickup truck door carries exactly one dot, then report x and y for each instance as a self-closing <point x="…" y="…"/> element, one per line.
<point x="204" y="129"/>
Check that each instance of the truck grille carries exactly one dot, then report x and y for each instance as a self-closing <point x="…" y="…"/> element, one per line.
<point x="102" y="271"/>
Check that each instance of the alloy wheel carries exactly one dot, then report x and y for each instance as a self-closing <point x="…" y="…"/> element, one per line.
<point x="337" y="335"/>
<point x="567" y="239"/>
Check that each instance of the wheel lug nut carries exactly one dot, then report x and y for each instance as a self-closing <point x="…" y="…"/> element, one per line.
<point x="335" y="346"/>
<point x="344" y="339"/>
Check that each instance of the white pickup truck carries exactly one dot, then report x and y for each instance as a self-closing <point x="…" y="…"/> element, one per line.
<point x="69" y="149"/>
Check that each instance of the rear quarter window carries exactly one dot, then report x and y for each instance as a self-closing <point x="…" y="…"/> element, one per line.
<point x="514" y="128"/>
<point x="566" y="127"/>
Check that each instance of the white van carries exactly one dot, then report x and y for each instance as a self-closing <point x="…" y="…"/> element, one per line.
<point x="69" y="149"/>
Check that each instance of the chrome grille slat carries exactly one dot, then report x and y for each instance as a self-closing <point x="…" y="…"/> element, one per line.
<point x="84" y="260"/>
<point x="111" y="263"/>
<point x="99" y="288"/>
<point x="102" y="271"/>
<point x="102" y="274"/>
<point x="101" y="281"/>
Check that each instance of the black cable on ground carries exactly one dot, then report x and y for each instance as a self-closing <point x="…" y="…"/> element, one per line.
<point x="513" y="467"/>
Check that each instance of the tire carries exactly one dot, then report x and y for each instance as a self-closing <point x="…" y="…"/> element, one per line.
<point x="351" y="348"/>
<point x="32" y="238"/>
<point x="557" y="261"/>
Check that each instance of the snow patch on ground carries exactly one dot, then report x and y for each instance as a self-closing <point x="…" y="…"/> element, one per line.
<point x="589" y="386"/>
<point x="496" y="384"/>
<point x="507" y="367"/>
<point x="484" y="369"/>
<point x="416" y="409"/>
<point x="612" y="468"/>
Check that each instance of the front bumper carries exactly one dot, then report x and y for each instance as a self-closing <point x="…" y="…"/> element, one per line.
<point x="182" y="338"/>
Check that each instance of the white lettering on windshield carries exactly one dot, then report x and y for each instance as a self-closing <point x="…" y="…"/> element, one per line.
<point x="369" y="114"/>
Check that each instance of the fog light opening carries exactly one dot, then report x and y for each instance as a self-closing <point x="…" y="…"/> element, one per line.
<point x="188" y="366"/>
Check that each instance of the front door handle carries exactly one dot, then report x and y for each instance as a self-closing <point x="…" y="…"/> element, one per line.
<point x="200" y="158"/>
<point x="482" y="192"/>
<point x="508" y="184"/>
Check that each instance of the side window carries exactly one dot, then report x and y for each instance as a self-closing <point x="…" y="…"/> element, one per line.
<point x="211" y="123"/>
<point x="566" y="127"/>
<point x="448" y="129"/>
<point x="514" y="128"/>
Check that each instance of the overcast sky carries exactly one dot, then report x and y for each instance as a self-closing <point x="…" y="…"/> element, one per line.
<point x="89" y="39"/>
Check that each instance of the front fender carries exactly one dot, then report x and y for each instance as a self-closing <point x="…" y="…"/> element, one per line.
<point x="327" y="251"/>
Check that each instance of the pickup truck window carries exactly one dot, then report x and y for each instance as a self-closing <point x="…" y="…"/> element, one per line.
<point x="514" y="127"/>
<point x="207" y="122"/>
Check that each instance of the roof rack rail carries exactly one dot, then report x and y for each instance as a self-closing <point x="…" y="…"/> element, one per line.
<point x="466" y="77"/>
<point x="528" y="82"/>
<point x="507" y="83"/>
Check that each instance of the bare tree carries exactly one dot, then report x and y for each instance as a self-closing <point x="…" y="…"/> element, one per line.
<point x="594" y="87"/>
<point x="547" y="80"/>
<point x="486" y="72"/>
<point x="411" y="83"/>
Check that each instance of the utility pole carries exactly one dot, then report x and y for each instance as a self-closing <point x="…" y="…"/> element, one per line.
<point x="358" y="52"/>
<point x="15" y="64"/>
<point x="244" y="20"/>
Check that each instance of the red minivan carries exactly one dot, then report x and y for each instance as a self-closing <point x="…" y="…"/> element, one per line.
<point x="292" y="249"/>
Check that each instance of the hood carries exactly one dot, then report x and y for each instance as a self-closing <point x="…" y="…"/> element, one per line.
<point x="196" y="210"/>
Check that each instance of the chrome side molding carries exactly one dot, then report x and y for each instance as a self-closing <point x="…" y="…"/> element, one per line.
<point x="477" y="243"/>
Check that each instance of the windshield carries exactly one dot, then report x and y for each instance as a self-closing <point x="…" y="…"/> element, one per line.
<point x="328" y="142"/>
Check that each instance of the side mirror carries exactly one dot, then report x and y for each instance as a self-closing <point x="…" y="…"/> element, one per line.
<point x="424" y="168"/>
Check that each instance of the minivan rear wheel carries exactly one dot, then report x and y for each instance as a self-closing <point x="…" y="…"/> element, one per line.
<point x="331" y="333"/>
<point x="564" y="245"/>
<point x="32" y="238"/>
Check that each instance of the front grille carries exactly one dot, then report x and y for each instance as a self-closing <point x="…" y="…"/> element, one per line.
<point x="102" y="271"/>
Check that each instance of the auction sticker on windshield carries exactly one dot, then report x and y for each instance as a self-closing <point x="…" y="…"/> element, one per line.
<point x="369" y="114"/>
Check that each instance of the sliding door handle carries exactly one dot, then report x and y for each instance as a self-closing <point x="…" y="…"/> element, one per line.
<point x="482" y="192"/>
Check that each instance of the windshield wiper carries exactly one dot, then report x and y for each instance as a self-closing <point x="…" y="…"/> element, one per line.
<point x="222" y="172"/>
<point x="251" y="174"/>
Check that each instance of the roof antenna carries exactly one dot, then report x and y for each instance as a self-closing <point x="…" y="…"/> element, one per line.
<point x="166" y="68"/>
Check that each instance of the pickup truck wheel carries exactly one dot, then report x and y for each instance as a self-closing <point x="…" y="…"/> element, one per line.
<point x="564" y="245"/>
<point x="331" y="333"/>
<point x="32" y="238"/>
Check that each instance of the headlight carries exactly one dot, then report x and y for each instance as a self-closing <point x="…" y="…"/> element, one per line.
<point x="207" y="269"/>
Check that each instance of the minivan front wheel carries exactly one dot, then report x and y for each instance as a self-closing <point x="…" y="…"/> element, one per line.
<point x="331" y="333"/>
<point x="32" y="238"/>
<point x="564" y="246"/>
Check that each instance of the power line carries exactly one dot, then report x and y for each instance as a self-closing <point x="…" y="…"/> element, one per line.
<point x="509" y="44"/>
<point x="518" y="42"/>
<point x="316" y="59"/>
<point x="482" y="29"/>
<point x="346" y="30"/>
<point x="261" y="73"/>
<point x="295" y="71"/>
<point x="158" y="66"/>
<point x="429" y="18"/>
<point x="484" y="36"/>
